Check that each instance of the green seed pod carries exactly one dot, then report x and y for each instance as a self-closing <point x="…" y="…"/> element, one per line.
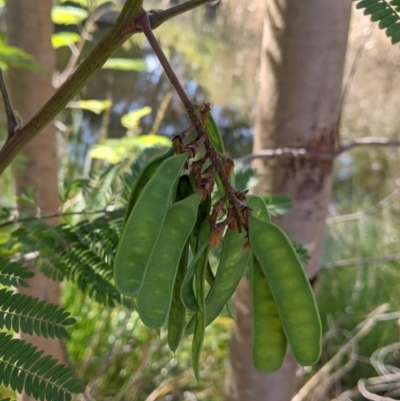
<point x="187" y="293"/>
<point x="154" y="299"/>
<point x="143" y="178"/>
<point x="214" y="134"/>
<point x="232" y="264"/>
<point x="259" y="207"/>
<point x="177" y="313"/>
<point x="199" y="331"/>
<point x="144" y="225"/>
<point x="269" y="342"/>
<point x="197" y="342"/>
<point x="184" y="188"/>
<point x="290" y="288"/>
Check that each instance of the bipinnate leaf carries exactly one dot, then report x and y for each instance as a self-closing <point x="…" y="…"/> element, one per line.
<point x="21" y="312"/>
<point x="13" y="273"/>
<point x="386" y="12"/>
<point x="23" y="368"/>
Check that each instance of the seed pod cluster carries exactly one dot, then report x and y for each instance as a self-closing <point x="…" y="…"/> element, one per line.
<point x="162" y="258"/>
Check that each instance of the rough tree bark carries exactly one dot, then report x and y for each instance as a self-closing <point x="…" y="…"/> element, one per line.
<point x="30" y="27"/>
<point x="301" y="72"/>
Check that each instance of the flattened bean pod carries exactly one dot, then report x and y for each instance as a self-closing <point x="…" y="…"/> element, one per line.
<point x="177" y="313"/>
<point x="204" y="211"/>
<point x="259" y="207"/>
<point x="197" y="342"/>
<point x="154" y="299"/>
<point x="144" y="225"/>
<point x="269" y="342"/>
<point x="232" y="264"/>
<point x="198" y="336"/>
<point x="184" y="188"/>
<point x="290" y="288"/>
<point x="187" y="293"/>
<point x="143" y="178"/>
<point x="214" y="134"/>
<point x="216" y="138"/>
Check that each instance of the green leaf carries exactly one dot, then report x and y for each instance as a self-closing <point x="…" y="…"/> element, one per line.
<point x="95" y="106"/>
<point x="381" y="14"/>
<point x="365" y="3"/>
<point x="13" y="274"/>
<point x="278" y="205"/>
<point x="396" y="37"/>
<point x="115" y="150"/>
<point x="61" y="39"/>
<point x="132" y="119"/>
<point x="301" y="251"/>
<point x="387" y="21"/>
<point x="11" y="56"/>
<point x="68" y="15"/>
<point x="125" y="64"/>
<point x="373" y="8"/>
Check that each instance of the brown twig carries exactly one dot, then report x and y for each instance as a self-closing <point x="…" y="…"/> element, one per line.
<point x="315" y="154"/>
<point x="159" y="17"/>
<point x="192" y="110"/>
<point x="77" y="50"/>
<point x="361" y="261"/>
<point x="58" y="214"/>
<point x="13" y="125"/>
<point x="123" y="28"/>
<point x="359" y="215"/>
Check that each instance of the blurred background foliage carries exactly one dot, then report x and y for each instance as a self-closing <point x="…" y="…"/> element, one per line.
<point x="129" y="107"/>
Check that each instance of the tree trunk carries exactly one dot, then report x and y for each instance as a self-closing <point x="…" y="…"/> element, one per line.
<point x="30" y="28"/>
<point x="302" y="62"/>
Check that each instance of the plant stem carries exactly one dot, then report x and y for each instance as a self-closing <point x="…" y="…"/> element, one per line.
<point x="59" y="214"/>
<point x="122" y="28"/>
<point x="120" y="31"/>
<point x="159" y="17"/>
<point x="13" y="125"/>
<point x="192" y="109"/>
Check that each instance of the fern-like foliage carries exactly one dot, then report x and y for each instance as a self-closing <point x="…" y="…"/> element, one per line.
<point x="24" y="313"/>
<point x="23" y="367"/>
<point x="14" y="274"/>
<point x="83" y="253"/>
<point x="110" y="184"/>
<point x="386" y="12"/>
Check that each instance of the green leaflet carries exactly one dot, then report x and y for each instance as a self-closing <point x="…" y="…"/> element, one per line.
<point x="386" y="12"/>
